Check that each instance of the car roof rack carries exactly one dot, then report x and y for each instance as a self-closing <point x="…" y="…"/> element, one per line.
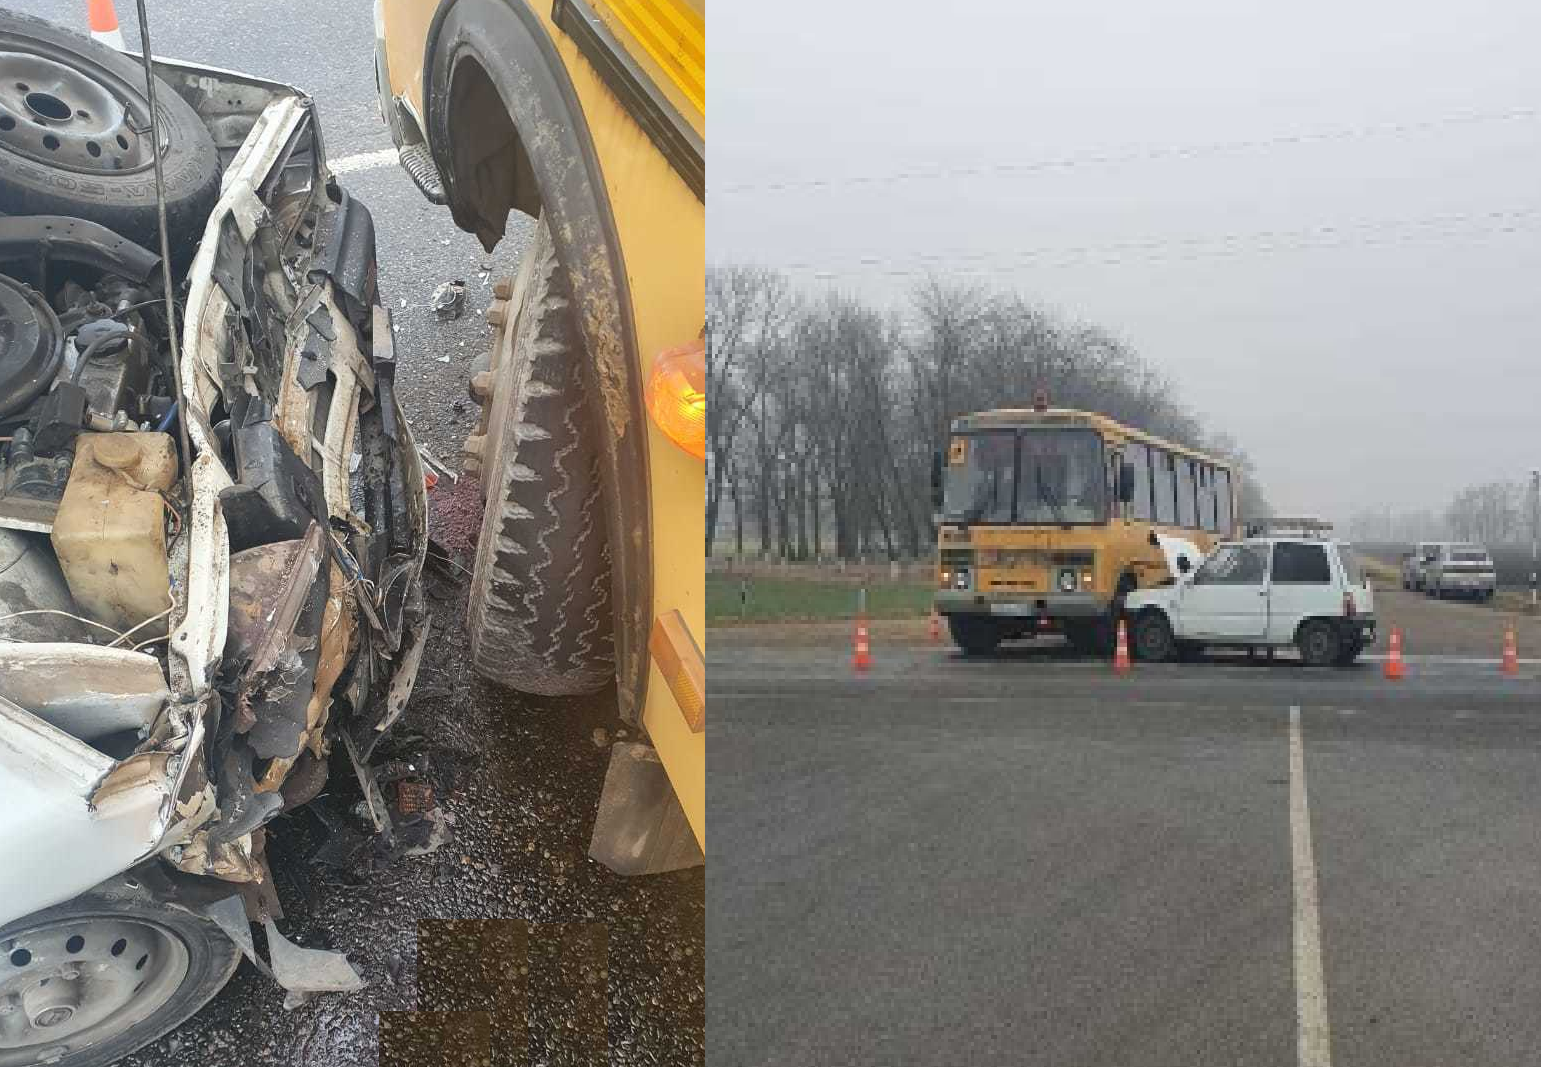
<point x="1278" y="526"/>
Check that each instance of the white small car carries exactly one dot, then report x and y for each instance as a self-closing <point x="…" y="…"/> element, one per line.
<point x="1264" y="592"/>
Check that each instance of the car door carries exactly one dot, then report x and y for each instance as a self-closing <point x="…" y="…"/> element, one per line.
<point x="1227" y="597"/>
<point x="1302" y="587"/>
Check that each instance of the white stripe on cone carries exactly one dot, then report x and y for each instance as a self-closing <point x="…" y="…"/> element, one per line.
<point x="104" y="23"/>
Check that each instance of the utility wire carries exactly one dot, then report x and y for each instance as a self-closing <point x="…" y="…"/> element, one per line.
<point x="1336" y="235"/>
<point x="1136" y="154"/>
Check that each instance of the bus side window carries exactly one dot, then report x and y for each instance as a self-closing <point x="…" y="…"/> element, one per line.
<point x="1165" y="487"/>
<point x="1138" y="456"/>
<point x="1187" y="493"/>
<point x="1223" y="501"/>
<point x="1208" y="518"/>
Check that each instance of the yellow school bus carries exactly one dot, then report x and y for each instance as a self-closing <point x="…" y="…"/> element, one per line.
<point x="590" y="116"/>
<point x="1045" y="521"/>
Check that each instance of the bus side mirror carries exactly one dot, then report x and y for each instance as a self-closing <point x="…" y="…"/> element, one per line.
<point x="1125" y="482"/>
<point x="936" y="480"/>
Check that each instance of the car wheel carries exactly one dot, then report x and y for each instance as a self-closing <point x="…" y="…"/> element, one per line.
<point x="540" y="615"/>
<point x="74" y="139"/>
<point x="90" y="981"/>
<point x="974" y="635"/>
<point x="1319" y="643"/>
<point x="1153" y="638"/>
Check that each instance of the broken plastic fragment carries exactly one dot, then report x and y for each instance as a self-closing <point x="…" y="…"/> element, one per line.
<point x="309" y="970"/>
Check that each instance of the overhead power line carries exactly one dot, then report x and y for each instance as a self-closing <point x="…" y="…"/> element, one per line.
<point x="1135" y="153"/>
<point x="1367" y="233"/>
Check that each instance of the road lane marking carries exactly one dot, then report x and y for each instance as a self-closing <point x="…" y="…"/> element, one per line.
<point x="363" y="161"/>
<point x="1313" y="1039"/>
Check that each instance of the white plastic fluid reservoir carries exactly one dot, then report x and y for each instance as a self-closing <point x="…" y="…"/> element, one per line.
<point x="110" y="531"/>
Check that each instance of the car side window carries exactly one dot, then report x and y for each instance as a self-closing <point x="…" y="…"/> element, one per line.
<point x="1234" y="565"/>
<point x="1298" y="564"/>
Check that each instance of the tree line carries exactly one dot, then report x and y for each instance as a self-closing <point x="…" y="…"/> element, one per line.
<point x="1490" y="513"/>
<point x="824" y="410"/>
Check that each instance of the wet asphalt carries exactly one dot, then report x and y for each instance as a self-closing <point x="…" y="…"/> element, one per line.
<point x="1029" y="859"/>
<point x="601" y="965"/>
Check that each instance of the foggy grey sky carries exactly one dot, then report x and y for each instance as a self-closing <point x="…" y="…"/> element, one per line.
<point x="1391" y="368"/>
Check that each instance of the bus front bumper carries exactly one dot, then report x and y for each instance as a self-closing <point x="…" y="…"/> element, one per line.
<point x="1020" y="605"/>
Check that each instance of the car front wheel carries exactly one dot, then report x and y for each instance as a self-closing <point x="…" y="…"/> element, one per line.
<point x="87" y="982"/>
<point x="1319" y="643"/>
<point x="1153" y="638"/>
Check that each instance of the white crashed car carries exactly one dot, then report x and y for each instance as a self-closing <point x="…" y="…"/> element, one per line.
<point x="1263" y="592"/>
<point x="184" y="638"/>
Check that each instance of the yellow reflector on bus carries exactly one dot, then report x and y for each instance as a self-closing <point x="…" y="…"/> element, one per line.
<point x="676" y="396"/>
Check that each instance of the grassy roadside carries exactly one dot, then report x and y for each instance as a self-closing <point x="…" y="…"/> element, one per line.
<point x="811" y="599"/>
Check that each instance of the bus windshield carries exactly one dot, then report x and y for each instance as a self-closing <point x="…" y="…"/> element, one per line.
<point x="1054" y="476"/>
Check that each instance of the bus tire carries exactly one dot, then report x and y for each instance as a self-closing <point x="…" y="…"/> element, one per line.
<point x="975" y="636"/>
<point x="539" y="615"/>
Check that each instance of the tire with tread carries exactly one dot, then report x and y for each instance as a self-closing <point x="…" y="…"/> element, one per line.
<point x="1152" y="639"/>
<point x="1319" y="643"/>
<point x="540" y="615"/>
<point x="123" y="199"/>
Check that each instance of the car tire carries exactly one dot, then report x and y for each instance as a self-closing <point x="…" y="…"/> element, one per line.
<point x="974" y="635"/>
<point x="1319" y="643"/>
<point x="187" y="956"/>
<point x="76" y="149"/>
<point x="1153" y="640"/>
<point x="540" y="615"/>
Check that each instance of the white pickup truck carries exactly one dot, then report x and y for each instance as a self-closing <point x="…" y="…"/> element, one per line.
<point x="1262" y="592"/>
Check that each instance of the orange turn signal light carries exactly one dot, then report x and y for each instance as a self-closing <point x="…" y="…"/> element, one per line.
<point x="676" y="396"/>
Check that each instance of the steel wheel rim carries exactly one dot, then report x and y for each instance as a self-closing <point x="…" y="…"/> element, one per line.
<point x="75" y="982"/>
<point x="59" y="115"/>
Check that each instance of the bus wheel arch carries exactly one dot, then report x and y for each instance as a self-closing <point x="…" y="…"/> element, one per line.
<point x="508" y="133"/>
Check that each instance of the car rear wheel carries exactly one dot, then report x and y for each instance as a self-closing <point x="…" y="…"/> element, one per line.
<point x="1319" y="643"/>
<point x="540" y="615"/>
<point x="975" y="636"/>
<point x="87" y="982"/>
<point x="75" y="140"/>
<point x="1153" y="638"/>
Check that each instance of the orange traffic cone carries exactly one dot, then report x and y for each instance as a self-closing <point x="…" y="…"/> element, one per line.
<point x="104" y="23"/>
<point x="1121" y="649"/>
<point x="1511" y="660"/>
<point x="1394" y="667"/>
<point x="936" y="626"/>
<point x="863" y="657"/>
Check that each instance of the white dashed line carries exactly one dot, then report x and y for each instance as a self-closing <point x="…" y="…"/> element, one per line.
<point x="363" y="161"/>
<point x="1313" y="1039"/>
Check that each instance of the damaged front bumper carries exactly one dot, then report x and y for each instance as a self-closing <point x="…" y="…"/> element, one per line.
<point x="298" y="616"/>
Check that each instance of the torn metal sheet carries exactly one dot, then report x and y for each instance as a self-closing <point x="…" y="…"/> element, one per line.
<point x="277" y="600"/>
<point x="90" y="815"/>
<point x="85" y="690"/>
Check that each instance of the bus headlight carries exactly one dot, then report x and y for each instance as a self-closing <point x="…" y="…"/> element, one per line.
<point x="1067" y="580"/>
